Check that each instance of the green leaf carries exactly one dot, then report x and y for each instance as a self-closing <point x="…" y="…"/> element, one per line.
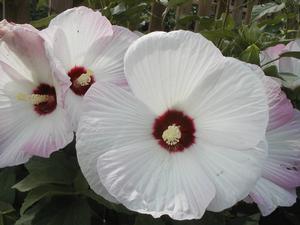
<point x="56" y="170"/>
<point x="7" y="180"/>
<point x="27" y="218"/>
<point x="261" y="10"/>
<point x="147" y="220"/>
<point x="42" y="23"/>
<point x="173" y="3"/>
<point x="80" y="182"/>
<point x="246" y="220"/>
<point x="75" y="211"/>
<point x="251" y="55"/>
<point x="118" y="208"/>
<point x="271" y="71"/>
<point x="41" y="192"/>
<point x="6" y="208"/>
<point x="292" y="54"/>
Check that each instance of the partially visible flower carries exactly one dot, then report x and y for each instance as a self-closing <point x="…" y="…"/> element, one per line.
<point x="90" y="50"/>
<point x="33" y="120"/>
<point x="190" y="135"/>
<point x="281" y="172"/>
<point x="291" y="65"/>
<point x="270" y="54"/>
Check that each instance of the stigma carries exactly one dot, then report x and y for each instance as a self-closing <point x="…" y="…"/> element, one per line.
<point x="172" y="135"/>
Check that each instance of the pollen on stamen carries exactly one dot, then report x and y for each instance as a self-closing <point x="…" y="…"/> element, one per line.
<point x="81" y="79"/>
<point x="172" y="135"/>
<point x="174" y="131"/>
<point x="33" y="99"/>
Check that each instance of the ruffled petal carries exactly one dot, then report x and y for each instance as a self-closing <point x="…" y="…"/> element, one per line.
<point x="268" y="196"/>
<point x="234" y="173"/>
<point x="229" y="107"/>
<point x="283" y="164"/>
<point x="82" y="27"/>
<point x="116" y="129"/>
<point x="162" y="69"/>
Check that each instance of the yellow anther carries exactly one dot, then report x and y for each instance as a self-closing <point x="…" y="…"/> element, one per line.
<point x="172" y="135"/>
<point x="85" y="78"/>
<point x="34" y="99"/>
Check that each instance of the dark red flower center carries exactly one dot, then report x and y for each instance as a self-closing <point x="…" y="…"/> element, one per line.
<point x="174" y="131"/>
<point x="44" y="99"/>
<point x="81" y="79"/>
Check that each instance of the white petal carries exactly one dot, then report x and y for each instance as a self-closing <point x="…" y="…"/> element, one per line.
<point x="283" y="164"/>
<point x="234" y="173"/>
<point x="106" y="58"/>
<point x="116" y="128"/>
<point x="268" y="196"/>
<point x="74" y="105"/>
<point x="229" y="107"/>
<point x="148" y="179"/>
<point x="82" y="27"/>
<point x="163" y="68"/>
<point x="56" y="38"/>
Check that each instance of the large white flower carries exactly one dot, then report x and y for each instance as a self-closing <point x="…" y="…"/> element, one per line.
<point x="281" y="172"/>
<point x="184" y="140"/>
<point x="33" y="120"/>
<point x="90" y="49"/>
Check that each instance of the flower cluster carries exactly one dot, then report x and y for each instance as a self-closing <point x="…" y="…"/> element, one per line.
<point x="164" y="123"/>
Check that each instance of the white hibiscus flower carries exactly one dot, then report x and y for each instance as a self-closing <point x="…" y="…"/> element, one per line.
<point x="189" y="137"/>
<point x="90" y="49"/>
<point x="32" y="117"/>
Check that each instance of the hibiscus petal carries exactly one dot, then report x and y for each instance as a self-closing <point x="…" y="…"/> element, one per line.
<point x="283" y="164"/>
<point x="234" y="173"/>
<point x="268" y="196"/>
<point x="82" y="27"/>
<point x="163" y="68"/>
<point x="229" y="107"/>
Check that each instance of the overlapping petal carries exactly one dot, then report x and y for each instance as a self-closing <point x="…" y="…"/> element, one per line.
<point x="163" y="68"/>
<point x="25" y="64"/>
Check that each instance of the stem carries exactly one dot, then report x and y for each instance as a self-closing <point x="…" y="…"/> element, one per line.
<point x="270" y="62"/>
<point x="157" y="10"/>
<point x="224" y="22"/>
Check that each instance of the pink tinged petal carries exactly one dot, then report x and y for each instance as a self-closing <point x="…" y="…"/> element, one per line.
<point x="268" y="196"/>
<point x="28" y="46"/>
<point x="24" y="132"/>
<point x="280" y="107"/>
<point x="234" y="173"/>
<point x="48" y="134"/>
<point x="283" y="164"/>
<point x="82" y="27"/>
<point x="271" y="53"/>
<point x="131" y="165"/>
<point x="162" y="69"/>
<point x="229" y="107"/>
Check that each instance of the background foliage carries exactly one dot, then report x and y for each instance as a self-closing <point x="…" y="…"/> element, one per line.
<point x="54" y="192"/>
